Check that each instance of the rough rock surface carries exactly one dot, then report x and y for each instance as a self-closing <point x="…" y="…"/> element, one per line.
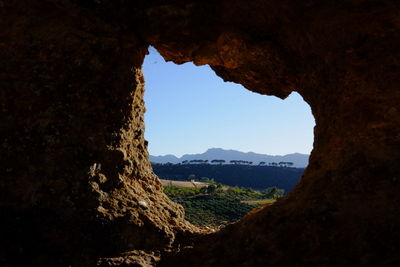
<point x="73" y="160"/>
<point x="74" y="167"/>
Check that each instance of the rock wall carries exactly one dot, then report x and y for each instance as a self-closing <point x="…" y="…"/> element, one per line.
<point x="76" y="184"/>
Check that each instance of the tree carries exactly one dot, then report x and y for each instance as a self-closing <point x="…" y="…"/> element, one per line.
<point x="204" y="179"/>
<point x="214" y="188"/>
<point x="273" y="192"/>
<point x="211" y="188"/>
<point x="220" y="161"/>
<point x="192" y="177"/>
<point x="261" y="163"/>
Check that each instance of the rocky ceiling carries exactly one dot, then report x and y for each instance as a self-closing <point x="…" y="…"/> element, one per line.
<point x="76" y="184"/>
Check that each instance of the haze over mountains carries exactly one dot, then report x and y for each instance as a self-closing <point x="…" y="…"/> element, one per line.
<point x="299" y="160"/>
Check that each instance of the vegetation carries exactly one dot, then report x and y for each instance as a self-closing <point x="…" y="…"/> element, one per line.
<point x="214" y="211"/>
<point x="195" y="161"/>
<point x="219" y="161"/>
<point x="234" y="162"/>
<point x="239" y="175"/>
<point x="176" y="192"/>
<point x="237" y="162"/>
<point x="259" y="202"/>
<point x="218" y="204"/>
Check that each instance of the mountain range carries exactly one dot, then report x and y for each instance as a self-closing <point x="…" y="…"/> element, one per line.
<point x="299" y="160"/>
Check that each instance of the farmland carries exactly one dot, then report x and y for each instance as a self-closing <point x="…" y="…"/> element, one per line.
<point x="165" y="182"/>
<point x="213" y="204"/>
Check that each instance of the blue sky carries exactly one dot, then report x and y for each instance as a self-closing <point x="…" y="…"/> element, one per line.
<point x="191" y="109"/>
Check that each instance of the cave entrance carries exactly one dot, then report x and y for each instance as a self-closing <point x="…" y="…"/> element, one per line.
<point x="214" y="145"/>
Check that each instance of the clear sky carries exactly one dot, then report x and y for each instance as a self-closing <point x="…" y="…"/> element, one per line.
<point x="191" y="109"/>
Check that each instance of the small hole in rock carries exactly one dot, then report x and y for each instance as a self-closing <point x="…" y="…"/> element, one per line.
<point x="219" y="149"/>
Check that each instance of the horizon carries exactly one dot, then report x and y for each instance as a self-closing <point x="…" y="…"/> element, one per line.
<point x="189" y="109"/>
<point x="229" y="150"/>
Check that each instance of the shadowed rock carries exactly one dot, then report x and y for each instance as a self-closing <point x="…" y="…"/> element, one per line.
<point x="74" y="166"/>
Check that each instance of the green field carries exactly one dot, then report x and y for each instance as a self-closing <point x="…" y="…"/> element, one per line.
<point x="216" y="204"/>
<point x="259" y="202"/>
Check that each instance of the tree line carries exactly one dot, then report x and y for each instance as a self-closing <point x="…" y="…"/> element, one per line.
<point x="234" y="162"/>
<point x="280" y="164"/>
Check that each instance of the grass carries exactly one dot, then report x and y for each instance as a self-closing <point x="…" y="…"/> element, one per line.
<point x="259" y="202"/>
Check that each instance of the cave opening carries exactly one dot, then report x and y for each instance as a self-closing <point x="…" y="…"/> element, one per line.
<point x="220" y="150"/>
